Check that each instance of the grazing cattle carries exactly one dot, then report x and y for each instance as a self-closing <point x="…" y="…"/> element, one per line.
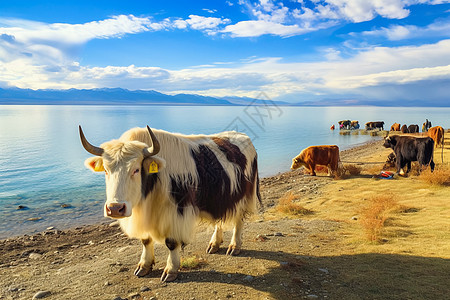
<point x="395" y="127"/>
<point x="374" y="125"/>
<point x="409" y="148"/>
<point x="437" y="134"/>
<point x="158" y="184"/>
<point x="317" y="155"/>
<point x="404" y="128"/>
<point x="413" y="128"/>
<point x="354" y="125"/>
<point x="426" y="125"/>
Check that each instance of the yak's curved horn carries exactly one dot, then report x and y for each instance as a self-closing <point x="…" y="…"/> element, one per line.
<point x="154" y="149"/>
<point x="88" y="146"/>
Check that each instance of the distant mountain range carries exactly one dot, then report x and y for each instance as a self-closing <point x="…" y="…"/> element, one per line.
<point x="116" y="96"/>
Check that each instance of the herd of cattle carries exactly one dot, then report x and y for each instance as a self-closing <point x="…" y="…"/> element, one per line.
<point x="158" y="184"/>
<point x="413" y="128"/>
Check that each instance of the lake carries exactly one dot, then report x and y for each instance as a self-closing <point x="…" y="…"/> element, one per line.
<point x="41" y="157"/>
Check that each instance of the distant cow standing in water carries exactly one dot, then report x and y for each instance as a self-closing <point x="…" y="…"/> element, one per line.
<point x="344" y="124"/>
<point x="317" y="155"/>
<point x="375" y="125"/>
<point x="354" y="125"/>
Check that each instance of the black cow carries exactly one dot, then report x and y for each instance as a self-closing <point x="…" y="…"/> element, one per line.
<point x="344" y="124"/>
<point x="404" y="128"/>
<point x="374" y="125"/>
<point x="413" y="128"/>
<point x="409" y="148"/>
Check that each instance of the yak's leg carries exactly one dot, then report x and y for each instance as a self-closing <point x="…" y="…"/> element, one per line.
<point x="409" y="167"/>
<point x="147" y="258"/>
<point x="173" y="261"/>
<point x="432" y="165"/>
<point x="236" y="240"/>
<point x="216" y="240"/>
<point x="312" y="169"/>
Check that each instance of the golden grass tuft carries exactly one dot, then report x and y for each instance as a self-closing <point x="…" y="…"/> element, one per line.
<point x="287" y="205"/>
<point x="375" y="214"/>
<point x="192" y="262"/>
<point x="440" y="176"/>
<point x="352" y="170"/>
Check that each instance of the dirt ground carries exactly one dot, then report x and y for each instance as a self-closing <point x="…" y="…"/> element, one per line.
<point x="283" y="257"/>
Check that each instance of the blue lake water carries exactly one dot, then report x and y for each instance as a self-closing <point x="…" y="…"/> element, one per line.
<point x="41" y="158"/>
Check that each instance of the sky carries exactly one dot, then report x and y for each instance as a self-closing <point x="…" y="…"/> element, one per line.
<point x="292" y="50"/>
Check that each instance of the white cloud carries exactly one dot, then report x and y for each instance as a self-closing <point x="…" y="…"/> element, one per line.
<point x="365" y="10"/>
<point x="201" y="23"/>
<point x="302" y="17"/>
<point x="260" y="27"/>
<point x="37" y="32"/>
<point x="399" y="32"/>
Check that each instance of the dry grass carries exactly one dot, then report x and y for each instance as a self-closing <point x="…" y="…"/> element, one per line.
<point x="440" y="176"/>
<point x="190" y="263"/>
<point x="375" y="214"/>
<point x="373" y="169"/>
<point x="352" y="170"/>
<point x="288" y="205"/>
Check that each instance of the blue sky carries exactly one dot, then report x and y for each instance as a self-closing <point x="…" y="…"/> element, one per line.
<point x="296" y="51"/>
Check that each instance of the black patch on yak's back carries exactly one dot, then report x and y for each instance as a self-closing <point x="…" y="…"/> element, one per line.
<point x="213" y="193"/>
<point x="231" y="151"/>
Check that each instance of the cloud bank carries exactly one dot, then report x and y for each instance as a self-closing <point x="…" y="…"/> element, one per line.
<point x="39" y="55"/>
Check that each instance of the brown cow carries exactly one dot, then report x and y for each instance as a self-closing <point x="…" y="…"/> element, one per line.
<point x="437" y="134"/>
<point x="404" y="129"/>
<point x="395" y="127"/>
<point x="317" y="155"/>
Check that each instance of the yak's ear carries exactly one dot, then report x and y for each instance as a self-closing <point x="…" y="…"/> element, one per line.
<point x="94" y="163"/>
<point x="153" y="164"/>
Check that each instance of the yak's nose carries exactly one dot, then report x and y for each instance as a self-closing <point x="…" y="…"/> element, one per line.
<point x="115" y="210"/>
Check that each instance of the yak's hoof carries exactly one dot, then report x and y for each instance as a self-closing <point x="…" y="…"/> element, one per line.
<point x="168" y="277"/>
<point x="141" y="270"/>
<point x="212" y="249"/>
<point x="233" y="251"/>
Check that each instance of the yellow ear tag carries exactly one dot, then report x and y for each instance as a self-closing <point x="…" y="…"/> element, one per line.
<point x="153" y="167"/>
<point x="99" y="167"/>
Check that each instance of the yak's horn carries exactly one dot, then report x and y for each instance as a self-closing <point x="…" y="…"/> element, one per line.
<point x="88" y="146"/>
<point x="154" y="149"/>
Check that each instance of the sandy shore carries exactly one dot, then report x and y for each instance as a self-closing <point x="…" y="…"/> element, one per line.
<point x="283" y="257"/>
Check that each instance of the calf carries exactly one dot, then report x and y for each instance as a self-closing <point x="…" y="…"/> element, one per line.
<point x="317" y="155"/>
<point x="409" y="148"/>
